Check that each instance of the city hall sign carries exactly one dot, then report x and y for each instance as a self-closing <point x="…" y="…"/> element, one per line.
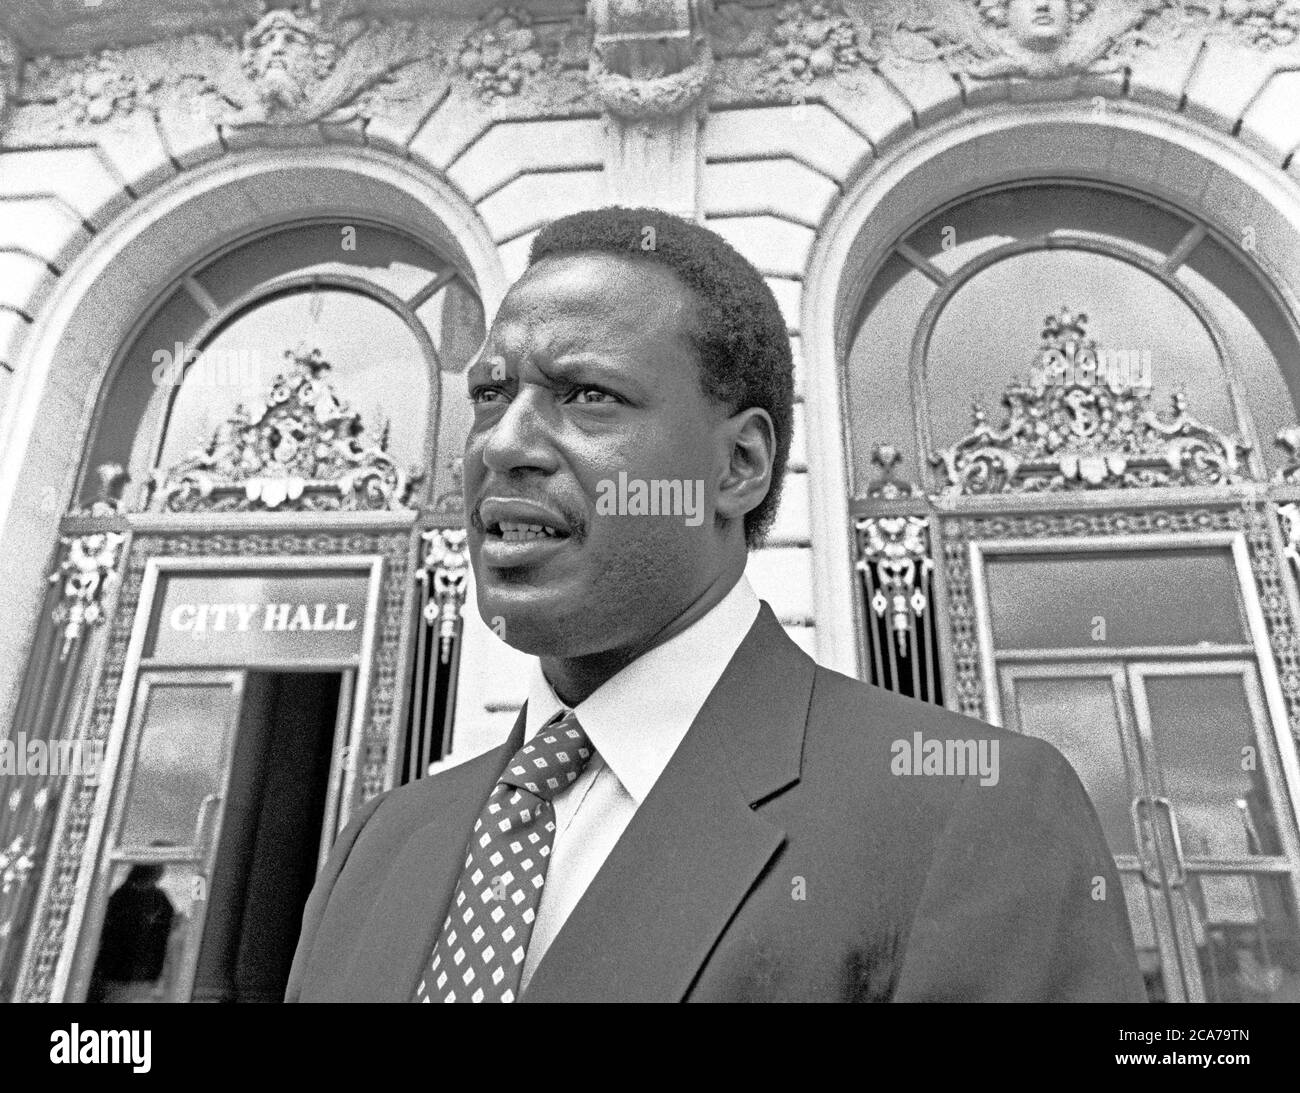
<point x="243" y="617"/>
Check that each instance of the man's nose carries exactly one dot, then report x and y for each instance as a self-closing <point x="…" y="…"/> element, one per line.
<point x="522" y="437"/>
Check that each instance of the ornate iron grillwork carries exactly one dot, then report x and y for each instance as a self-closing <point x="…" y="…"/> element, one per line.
<point x="443" y="578"/>
<point x="895" y="571"/>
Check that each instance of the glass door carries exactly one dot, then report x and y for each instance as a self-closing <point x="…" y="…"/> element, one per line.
<point x="151" y="889"/>
<point x="1176" y="758"/>
<point x="1084" y="711"/>
<point x="1212" y="809"/>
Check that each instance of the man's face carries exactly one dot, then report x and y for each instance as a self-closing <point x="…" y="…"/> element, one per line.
<point x="588" y="371"/>
<point x="1039" y="24"/>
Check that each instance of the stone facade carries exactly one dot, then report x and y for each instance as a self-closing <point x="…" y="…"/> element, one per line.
<point x="756" y="119"/>
<point x="133" y="144"/>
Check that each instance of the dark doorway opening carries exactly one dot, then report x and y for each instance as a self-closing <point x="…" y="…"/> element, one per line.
<point x="270" y="835"/>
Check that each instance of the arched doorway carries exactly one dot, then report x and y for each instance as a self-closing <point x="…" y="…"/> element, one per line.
<point x="268" y="497"/>
<point x="1080" y="559"/>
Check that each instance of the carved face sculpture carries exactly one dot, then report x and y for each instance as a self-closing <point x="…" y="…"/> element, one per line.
<point x="1039" y="24"/>
<point x="286" y="55"/>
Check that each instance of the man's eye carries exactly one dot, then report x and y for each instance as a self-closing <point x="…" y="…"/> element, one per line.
<point x="485" y="393"/>
<point x="593" y="395"/>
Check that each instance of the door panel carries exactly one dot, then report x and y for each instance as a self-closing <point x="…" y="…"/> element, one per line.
<point x="151" y="892"/>
<point x="1215" y="785"/>
<point x="1084" y="711"/>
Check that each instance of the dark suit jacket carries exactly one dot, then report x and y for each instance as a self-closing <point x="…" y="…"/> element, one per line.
<point x="913" y="888"/>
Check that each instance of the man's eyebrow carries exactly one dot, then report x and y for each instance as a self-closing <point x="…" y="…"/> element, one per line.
<point x="583" y="366"/>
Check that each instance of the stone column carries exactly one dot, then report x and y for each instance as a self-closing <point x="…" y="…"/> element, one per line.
<point x="649" y="68"/>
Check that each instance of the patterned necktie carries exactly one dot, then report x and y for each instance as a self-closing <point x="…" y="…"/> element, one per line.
<point x="479" y="956"/>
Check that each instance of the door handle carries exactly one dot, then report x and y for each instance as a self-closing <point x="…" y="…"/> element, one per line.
<point x="1150" y="875"/>
<point x="1181" y="878"/>
<point x="205" y="806"/>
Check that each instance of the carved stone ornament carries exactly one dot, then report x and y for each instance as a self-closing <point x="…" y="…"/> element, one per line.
<point x="302" y="68"/>
<point x="1264" y="24"/>
<point x="445" y="573"/>
<point x="1041" y="39"/>
<point x="102" y="89"/>
<point x="1085" y="434"/>
<point x="86" y="574"/>
<point x="302" y="448"/>
<point x="812" y="39"/>
<point x="292" y="67"/>
<point x="648" y="60"/>
<point x="500" y="55"/>
<point x="10" y="72"/>
<point x="897" y="551"/>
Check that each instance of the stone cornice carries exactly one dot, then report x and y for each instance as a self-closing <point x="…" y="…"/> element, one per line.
<point x="69" y="27"/>
<point x="346" y="61"/>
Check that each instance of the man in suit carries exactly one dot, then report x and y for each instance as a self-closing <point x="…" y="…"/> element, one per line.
<point x="688" y="807"/>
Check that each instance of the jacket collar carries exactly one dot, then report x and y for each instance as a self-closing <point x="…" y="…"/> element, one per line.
<point x="693" y="851"/>
<point x="652" y="914"/>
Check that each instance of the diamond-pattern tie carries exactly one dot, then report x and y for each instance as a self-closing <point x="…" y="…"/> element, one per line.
<point x="479" y="956"/>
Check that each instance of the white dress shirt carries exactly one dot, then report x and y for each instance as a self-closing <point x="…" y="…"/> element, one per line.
<point x="635" y="720"/>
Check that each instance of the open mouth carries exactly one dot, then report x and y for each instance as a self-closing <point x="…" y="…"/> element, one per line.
<point x="520" y="533"/>
<point x="512" y="532"/>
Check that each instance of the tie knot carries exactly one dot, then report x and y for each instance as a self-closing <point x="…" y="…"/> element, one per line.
<point x="552" y="760"/>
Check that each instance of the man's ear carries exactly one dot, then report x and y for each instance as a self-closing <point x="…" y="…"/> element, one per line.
<point x="748" y="446"/>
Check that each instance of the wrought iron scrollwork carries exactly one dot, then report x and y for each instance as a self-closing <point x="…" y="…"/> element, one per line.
<point x="301" y="448"/>
<point x="1079" y="424"/>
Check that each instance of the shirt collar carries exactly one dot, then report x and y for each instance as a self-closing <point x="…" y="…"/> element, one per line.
<point x="637" y="718"/>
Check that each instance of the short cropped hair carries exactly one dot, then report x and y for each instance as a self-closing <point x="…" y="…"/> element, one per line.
<point x="741" y="337"/>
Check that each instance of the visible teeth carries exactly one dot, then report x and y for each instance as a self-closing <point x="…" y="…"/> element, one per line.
<point x="514" y="532"/>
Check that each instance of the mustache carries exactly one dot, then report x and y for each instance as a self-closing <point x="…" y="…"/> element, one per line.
<point x="573" y="517"/>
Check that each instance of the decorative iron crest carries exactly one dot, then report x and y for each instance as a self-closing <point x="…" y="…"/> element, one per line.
<point x="1086" y="432"/>
<point x="884" y="485"/>
<point x="17" y="861"/>
<point x="1289" y="439"/>
<point x="897" y="549"/>
<point x="1289" y="518"/>
<point x="302" y="448"/>
<point x="108" y="500"/>
<point x="445" y="573"/>
<point x="86" y="573"/>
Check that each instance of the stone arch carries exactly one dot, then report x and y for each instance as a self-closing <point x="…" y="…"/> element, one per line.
<point x="1145" y="150"/>
<point x="110" y="284"/>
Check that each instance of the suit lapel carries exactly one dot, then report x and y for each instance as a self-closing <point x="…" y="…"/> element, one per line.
<point x="410" y="907"/>
<point x="695" y="848"/>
